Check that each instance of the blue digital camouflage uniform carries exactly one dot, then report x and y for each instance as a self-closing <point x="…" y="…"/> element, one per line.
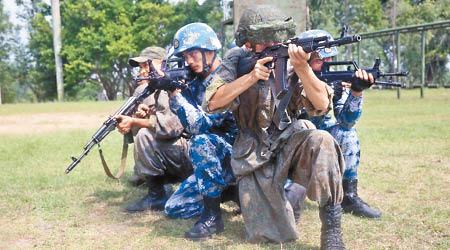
<point x="209" y="150"/>
<point x="347" y="110"/>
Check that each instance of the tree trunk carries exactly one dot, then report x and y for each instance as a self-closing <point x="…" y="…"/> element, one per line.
<point x="395" y="50"/>
<point x="56" y="17"/>
<point x="349" y="47"/>
<point x="308" y="17"/>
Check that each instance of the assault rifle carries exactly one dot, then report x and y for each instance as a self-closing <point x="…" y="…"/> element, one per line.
<point x="349" y="75"/>
<point x="279" y="52"/>
<point x="176" y="74"/>
<point x="172" y="77"/>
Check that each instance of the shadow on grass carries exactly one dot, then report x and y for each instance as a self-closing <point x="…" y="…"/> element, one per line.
<point x="127" y="194"/>
<point x="233" y="235"/>
<point x="161" y="226"/>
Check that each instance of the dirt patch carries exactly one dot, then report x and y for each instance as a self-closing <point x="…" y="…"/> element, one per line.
<point x="49" y="122"/>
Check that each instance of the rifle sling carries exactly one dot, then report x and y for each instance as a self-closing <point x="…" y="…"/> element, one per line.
<point x="123" y="162"/>
<point x="282" y="99"/>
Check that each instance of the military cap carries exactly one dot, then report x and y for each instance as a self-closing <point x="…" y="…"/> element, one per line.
<point x="148" y="53"/>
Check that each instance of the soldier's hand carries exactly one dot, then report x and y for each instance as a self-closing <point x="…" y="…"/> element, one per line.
<point x="299" y="58"/>
<point x="157" y="66"/>
<point x="362" y="81"/>
<point x="176" y="91"/>
<point x="125" y="124"/>
<point x="346" y="84"/>
<point x="260" y="71"/>
<point x="144" y="110"/>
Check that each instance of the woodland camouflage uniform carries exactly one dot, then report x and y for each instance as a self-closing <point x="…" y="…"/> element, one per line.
<point x="264" y="156"/>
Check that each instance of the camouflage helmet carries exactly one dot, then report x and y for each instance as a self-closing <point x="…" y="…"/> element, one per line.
<point x="264" y="24"/>
<point x="148" y="53"/>
<point x="325" y="52"/>
<point x="195" y="36"/>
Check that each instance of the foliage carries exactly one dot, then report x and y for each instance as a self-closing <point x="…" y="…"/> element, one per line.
<point x="34" y="64"/>
<point x="99" y="36"/>
<point x="6" y="90"/>
<point x="372" y="15"/>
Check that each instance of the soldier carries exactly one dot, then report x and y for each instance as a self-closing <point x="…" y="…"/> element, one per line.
<point x="157" y="55"/>
<point x="266" y="153"/>
<point x="347" y="106"/>
<point x="211" y="135"/>
<point x="161" y="148"/>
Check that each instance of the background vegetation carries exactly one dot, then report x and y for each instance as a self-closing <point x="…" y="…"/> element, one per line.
<point x="98" y="36"/>
<point x="404" y="172"/>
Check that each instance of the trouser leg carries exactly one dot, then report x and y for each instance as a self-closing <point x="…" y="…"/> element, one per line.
<point x="186" y="202"/>
<point x="318" y="164"/>
<point x="159" y="162"/>
<point x="209" y="154"/>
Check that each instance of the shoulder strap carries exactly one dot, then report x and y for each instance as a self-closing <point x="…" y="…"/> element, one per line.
<point x="282" y="94"/>
<point x="123" y="162"/>
<point x="281" y="118"/>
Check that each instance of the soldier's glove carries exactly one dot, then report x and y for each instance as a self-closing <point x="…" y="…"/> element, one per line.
<point x="359" y="85"/>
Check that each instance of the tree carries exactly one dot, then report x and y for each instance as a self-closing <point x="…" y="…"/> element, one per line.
<point x="35" y="62"/>
<point x="99" y="36"/>
<point x="366" y="16"/>
<point x="6" y="93"/>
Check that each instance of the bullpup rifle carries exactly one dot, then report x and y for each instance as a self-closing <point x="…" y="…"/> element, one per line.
<point x="329" y="76"/>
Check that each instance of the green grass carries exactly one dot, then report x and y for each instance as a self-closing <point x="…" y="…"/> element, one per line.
<point x="404" y="172"/>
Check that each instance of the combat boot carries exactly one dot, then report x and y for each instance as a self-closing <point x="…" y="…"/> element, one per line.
<point x="331" y="238"/>
<point x="353" y="204"/>
<point x="210" y="221"/>
<point x="155" y="199"/>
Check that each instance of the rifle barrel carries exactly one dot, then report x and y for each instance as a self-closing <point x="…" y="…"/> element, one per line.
<point x="403" y="73"/>
<point x="390" y="83"/>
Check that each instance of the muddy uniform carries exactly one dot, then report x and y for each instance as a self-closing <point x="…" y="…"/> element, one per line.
<point x="209" y="151"/>
<point x="162" y="148"/>
<point x="264" y="156"/>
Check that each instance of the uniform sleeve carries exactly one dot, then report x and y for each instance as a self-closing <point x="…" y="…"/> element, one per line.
<point x="226" y="74"/>
<point x="150" y="100"/>
<point x="300" y="101"/>
<point x="348" y="109"/>
<point x="193" y="119"/>
<point x="165" y="123"/>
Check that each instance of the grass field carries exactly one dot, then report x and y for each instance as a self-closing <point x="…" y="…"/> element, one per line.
<point x="404" y="172"/>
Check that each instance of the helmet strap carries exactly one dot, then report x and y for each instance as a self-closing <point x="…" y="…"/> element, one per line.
<point x="207" y="66"/>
